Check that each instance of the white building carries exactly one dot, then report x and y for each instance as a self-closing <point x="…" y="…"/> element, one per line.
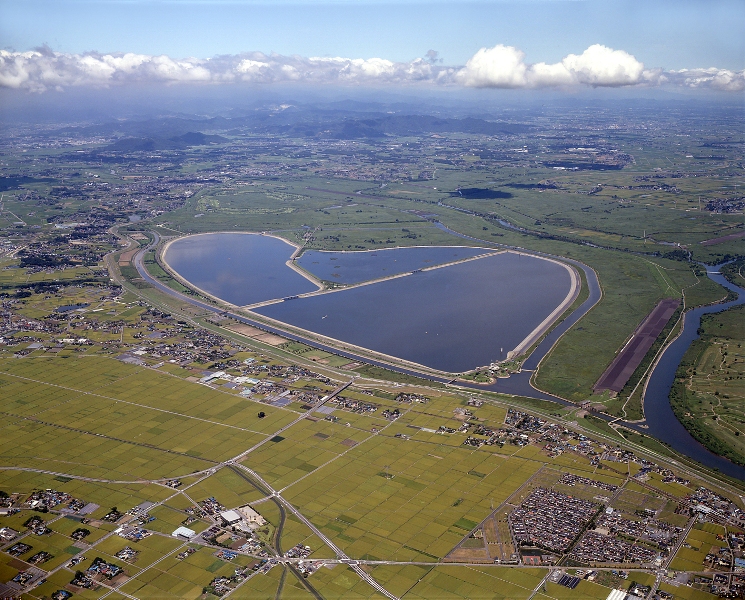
<point x="184" y="532"/>
<point x="230" y="517"/>
<point x="251" y="516"/>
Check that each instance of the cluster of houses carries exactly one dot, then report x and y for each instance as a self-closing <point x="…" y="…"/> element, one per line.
<point x="353" y="405"/>
<point x="572" y="479"/>
<point x="550" y="520"/>
<point x="660" y="534"/>
<point x="710" y="504"/>
<point x="594" y="548"/>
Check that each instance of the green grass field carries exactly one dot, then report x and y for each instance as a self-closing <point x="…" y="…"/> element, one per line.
<point x="708" y="395"/>
<point x="374" y="495"/>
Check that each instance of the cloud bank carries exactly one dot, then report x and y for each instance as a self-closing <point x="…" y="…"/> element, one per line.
<point x="498" y="67"/>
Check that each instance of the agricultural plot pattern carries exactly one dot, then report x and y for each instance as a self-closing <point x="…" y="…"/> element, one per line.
<point x="152" y="449"/>
<point x="355" y="490"/>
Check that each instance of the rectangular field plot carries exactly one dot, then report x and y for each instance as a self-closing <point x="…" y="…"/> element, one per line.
<point x="304" y="447"/>
<point x="93" y="372"/>
<point x="399" y="579"/>
<point x="390" y="499"/>
<point x="260" y="586"/>
<point x="697" y="545"/>
<point x="131" y="427"/>
<point x="58" y="450"/>
<point x="338" y="582"/>
<point x="149" y="550"/>
<point x="675" y="489"/>
<point x="497" y="583"/>
<point x="66" y="526"/>
<point x="59" y="581"/>
<point x="586" y="590"/>
<point x="629" y="501"/>
<point x="57" y="546"/>
<point x="111" y="379"/>
<point x="173" y="578"/>
<point x="683" y="592"/>
<point x="294" y="532"/>
<point x="228" y="487"/>
<point x="168" y="519"/>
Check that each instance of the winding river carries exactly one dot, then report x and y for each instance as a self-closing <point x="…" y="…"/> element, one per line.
<point x="660" y="419"/>
<point x="660" y="423"/>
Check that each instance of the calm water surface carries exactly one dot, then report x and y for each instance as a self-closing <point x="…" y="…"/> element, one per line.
<point x="453" y="319"/>
<point x="355" y="267"/>
<point x="662" y="422"/>
<point x="239" y="268"/>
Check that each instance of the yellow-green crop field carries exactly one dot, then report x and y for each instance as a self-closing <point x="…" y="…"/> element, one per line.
<point x="112" y="434"/>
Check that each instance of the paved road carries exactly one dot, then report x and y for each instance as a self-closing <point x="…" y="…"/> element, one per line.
<point x="338" y="551"/>
<point x="518" y="384"/>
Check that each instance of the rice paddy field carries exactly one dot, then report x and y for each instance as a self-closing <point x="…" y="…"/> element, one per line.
<point x="111" y="434"/>
<point x="122" y="423"/>
<point x="110" y="422"/>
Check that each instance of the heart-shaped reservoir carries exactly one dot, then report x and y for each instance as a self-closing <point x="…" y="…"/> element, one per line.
<point x="421" y="307"/>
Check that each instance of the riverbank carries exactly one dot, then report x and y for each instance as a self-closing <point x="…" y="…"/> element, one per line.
<point x="709" y="389"/>
<point x="661" y="420"/>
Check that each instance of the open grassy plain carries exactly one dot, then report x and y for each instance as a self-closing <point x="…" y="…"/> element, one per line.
<point x="709" y="390"/>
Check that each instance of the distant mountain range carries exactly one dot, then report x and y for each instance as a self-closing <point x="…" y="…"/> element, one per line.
<point x="380" y="126"/>
<point x="134" y="144"/>
<point x="179" y="132"/>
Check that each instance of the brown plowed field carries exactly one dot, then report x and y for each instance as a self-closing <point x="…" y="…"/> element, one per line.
<point x="724" y="238"/>
<point x="632" y="354"/>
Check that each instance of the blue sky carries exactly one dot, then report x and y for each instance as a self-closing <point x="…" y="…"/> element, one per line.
<point x="660" y="33"/>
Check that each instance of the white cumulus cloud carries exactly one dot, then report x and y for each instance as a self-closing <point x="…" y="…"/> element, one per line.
<point x="505" y="67"/>
<point x="498" y="67"/>
<point x="718" y="79"/>
<point x="501" y="66"/>
<point x="600" y="65"/>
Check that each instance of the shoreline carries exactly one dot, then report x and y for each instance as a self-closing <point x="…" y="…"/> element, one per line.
<point x="526" y="343"/>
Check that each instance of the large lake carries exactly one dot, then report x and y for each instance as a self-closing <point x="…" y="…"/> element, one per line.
<point x="239" y="268"/>
<point x="355" y="267"/>
<point x="454" y="318"/>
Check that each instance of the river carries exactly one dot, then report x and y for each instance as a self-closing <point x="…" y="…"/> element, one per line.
<point x="661" y="422"/>
<point x="660" y="418"/>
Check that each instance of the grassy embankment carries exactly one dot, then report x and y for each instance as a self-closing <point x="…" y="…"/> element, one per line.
<point x="709" y="387"/>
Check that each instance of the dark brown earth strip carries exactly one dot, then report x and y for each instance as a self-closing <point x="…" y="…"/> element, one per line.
<point x="724" y="238"/>
<point x="629" y="358"/>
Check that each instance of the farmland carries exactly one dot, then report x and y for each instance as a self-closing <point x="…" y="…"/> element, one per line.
<point x="402" y="491"/>
<point x="150" y="447"/>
